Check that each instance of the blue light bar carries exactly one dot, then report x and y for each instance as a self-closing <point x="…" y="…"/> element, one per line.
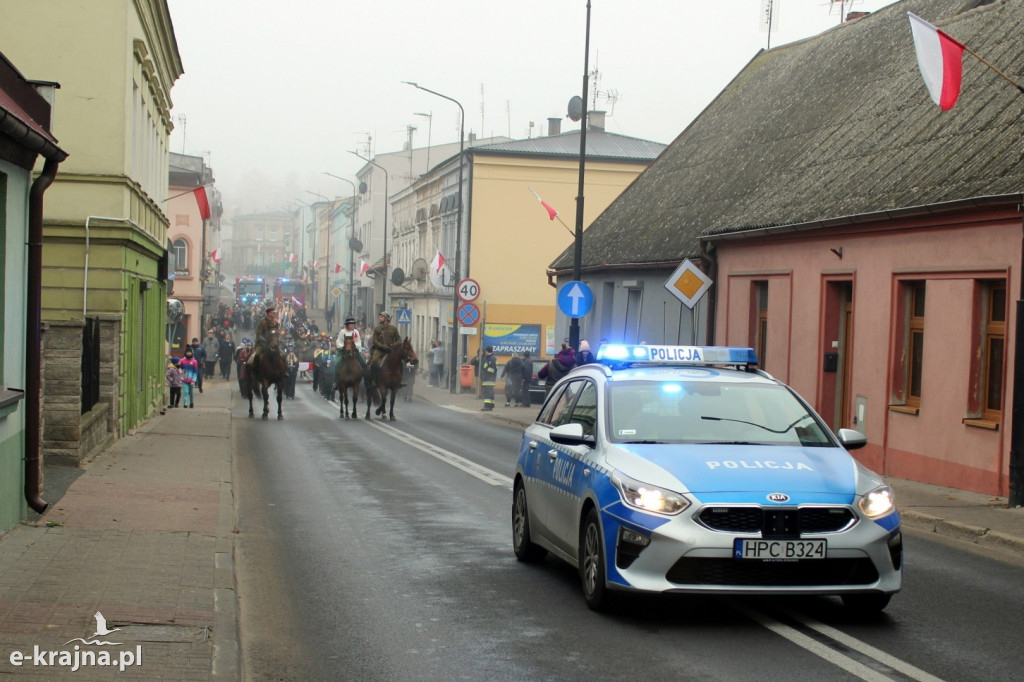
<point x="625" y="355"/>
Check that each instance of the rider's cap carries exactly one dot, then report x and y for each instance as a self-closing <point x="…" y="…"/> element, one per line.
<point x="386" y="316"/>
<point x="350" y="320"/>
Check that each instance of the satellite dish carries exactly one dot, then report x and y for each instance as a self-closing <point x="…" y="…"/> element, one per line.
<point x="355" y="244"/>
<point x="419" y="270"/>
<point x="175" y="310"/>
<point x="362" y="188"/>
<point x="397" y="277"/>
<point x="575" y="108"/>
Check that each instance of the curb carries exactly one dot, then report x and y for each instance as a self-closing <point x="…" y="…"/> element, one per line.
<point x="957" y="530"/>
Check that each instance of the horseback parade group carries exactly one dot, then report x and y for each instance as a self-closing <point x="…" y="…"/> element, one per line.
<point x="279" y="349"/>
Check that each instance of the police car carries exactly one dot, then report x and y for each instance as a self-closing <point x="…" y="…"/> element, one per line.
<point x="684" y="469"/>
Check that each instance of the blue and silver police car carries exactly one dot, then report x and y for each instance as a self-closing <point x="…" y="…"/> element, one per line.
<point x="685" y="469"/>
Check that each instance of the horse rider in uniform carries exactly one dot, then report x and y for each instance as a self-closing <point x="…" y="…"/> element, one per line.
<point x="384" y="336"/>
<point x="267" y="326"/>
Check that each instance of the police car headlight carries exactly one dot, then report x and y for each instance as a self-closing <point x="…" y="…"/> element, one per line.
<point x="648" y="498"/>
<point x="878" y="502"/>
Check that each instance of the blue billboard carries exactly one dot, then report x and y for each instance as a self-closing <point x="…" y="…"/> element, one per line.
<point x="512" y="338"/>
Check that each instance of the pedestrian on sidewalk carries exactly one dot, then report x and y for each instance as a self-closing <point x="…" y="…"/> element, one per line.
<point x="512" y="373"/>
<point x="212" y="346"/>
<point x="173" y="375"/>
<point x="227" y="355"/>
<point x="199" y="353"/>
<point x="189" y="374"/>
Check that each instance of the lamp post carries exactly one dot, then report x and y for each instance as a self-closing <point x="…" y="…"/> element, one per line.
<point x="351" y="254"/>
<point x="453" y="370"/>
<point x="577" y="252"/>
<point x="384" y="295"/>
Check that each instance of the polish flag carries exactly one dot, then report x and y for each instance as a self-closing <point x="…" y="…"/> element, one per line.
<point x="292" y="257"/>
<point x="547" y="207"/>
<point x="215" y="255"/>
<point x="437" y="268"/>
<point x="337" y="268"/>
<point x="204" y="202"/>
<point x="364" y="267"/>
<point x="940" y="59"/>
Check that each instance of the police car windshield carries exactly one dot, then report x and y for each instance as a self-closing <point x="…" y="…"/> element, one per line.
<point x="712" y="412"/>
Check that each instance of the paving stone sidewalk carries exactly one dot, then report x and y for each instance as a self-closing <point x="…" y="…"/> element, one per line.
<point x="143" y="535"/>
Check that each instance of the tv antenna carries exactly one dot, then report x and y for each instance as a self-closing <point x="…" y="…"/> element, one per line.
<point x="609" y="96"/>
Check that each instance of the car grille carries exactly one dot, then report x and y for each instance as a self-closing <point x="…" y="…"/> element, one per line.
<point x="742" y="572"/>
<point x="767" y="521"/>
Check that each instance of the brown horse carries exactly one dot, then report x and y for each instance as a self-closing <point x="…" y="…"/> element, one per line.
<point x="387" y="377"/>
<point x="268" y="368"/>
<point x="348" y="373"/>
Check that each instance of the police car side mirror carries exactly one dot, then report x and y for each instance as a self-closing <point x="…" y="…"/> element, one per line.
<point x="570" y="434"/>
<point x="852" y="440"/>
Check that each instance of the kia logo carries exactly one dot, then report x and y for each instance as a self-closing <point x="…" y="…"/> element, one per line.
<point x="778" y="497"/>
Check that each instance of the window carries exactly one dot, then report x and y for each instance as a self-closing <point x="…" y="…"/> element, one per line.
<point x="760" y="328"/>
<point x="909" y="363"/>
<point x="180" y="250"/>
<point x="915" y="343"/>
<point x="993" y="349"/>
<point x="585" y="412"/>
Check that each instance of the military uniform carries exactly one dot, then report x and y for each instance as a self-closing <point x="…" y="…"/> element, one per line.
<point x="384" y="336"/>
<point x="267" y="326"/>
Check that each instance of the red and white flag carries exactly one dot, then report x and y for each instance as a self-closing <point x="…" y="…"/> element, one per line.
<point x="337" y="268"/>
<point x="940" y="59"/>
<point x="364" y="267"/>
<point x="204" y="202"/>
<point x="215" y="255"/>
<point x="292" y="257"/>
<point x="547" y="207"/>
<point x="437" y="270"/>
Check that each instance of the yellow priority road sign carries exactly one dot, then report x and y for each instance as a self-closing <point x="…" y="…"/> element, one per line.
<point x="688" y="283"/>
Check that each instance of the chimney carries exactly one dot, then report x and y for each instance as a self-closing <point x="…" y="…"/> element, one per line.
<point x="595" y="120"/>
<point x="472" y="138"/>
<point x="554" y="126"/>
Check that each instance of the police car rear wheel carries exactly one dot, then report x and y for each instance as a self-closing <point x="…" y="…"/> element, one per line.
<point x="592" y="567"/>
<point x="521" y="544"/>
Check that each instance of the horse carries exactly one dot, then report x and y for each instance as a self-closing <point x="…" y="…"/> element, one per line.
<point x="348" y="373"/>
<point x="387" y="377"/>
<point x="268" y="368"/>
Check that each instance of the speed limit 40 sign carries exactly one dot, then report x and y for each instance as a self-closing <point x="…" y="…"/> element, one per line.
<point x="469" y="290"/>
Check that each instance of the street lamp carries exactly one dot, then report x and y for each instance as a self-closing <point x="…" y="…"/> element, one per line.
<point x="453" y="370"/>
<point x="577" y="251"/>
<point x="351" y="254"/>
<point x="384" y="296"/>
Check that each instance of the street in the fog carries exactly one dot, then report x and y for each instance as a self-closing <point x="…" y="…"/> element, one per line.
<point x="381" y="550"/>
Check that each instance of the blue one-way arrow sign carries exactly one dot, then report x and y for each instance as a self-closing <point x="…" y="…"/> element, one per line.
<point x="575" y="299"/>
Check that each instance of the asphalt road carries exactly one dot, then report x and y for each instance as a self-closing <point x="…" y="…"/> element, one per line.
<point x="381" y="551"/>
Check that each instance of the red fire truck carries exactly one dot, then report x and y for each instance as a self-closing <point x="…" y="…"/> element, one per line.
<point x="249" y="289"/>
<point x="290" y="290"/>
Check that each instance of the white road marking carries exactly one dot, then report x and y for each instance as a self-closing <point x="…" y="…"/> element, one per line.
<point x="834" y="656"/>
<point x="866" y="649"/>
<point x="486" y="475"/>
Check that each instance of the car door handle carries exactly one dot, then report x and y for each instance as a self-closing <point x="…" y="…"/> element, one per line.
<point x="552" y="454"/>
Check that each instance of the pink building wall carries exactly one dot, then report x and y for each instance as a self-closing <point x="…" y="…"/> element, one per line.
<point x="950" y="254"/>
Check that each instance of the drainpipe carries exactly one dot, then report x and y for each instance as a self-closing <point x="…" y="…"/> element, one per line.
<point x="33" y="338"/>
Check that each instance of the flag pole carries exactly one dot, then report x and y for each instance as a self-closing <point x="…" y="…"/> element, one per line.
<point x="993" y="67"/>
